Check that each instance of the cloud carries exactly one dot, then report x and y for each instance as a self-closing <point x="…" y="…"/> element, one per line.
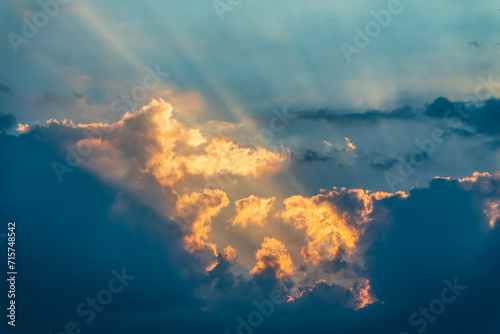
<point x="441" y="231"/>
<point x="332" y="221"/>
<point x="170" y="151"/>
<point x="363" y="252"/>
<point x="492" y="211"/>
<point x="6" y="121"/>
<point x="252" y="210"/>
<point x="370" y="116"/>
<point x="198" y="209"/>
<point x="362" y="295"/>
<point x="229" y="253"/>
<point x="223" y="155"/>
<point x="483" y="118"/>
<point x="326" y="232"/>
<point x="349" y="145"/>
<point x="343" y="153"/>
<point x="379" y="161"/>
<point x="273" y="254"/>
<point x="309" y="155"/>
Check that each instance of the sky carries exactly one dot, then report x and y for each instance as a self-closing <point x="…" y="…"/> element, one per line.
<point x="236" y="166"/>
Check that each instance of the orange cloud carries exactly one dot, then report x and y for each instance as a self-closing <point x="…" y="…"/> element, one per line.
<point x="273" y="254"/>
<point x="326" y="231"/>
<point x="474" y="178"/>
<point x="492" y="211"/>
<point x="180" y="151"/>
<point x="481" y="180"/>
<point x="349" y="145"/>
<point x="22" y="128"/>
<point x="331" y="221"/>
<point x="198" y="209"/>
<point x="223" y="155"/>
<point x="229" y="253"/>
<point x="154" y="141"/>
<point x="362" y="295"/>
<point x="486" y="184"/>
<point x="252" y="210"/>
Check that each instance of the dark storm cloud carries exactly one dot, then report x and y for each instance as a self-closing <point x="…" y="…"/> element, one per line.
<point x="437" y="233"/>
<point x="484" y="118"/>
<point x="72" y="234"/>
<point x="69" y="240"/>
<point x="379" y="161"/>
<point x="403" y="113"/>
<point x="310" y="155"/>
<point x="6" y="121"/>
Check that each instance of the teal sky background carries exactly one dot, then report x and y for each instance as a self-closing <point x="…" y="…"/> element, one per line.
<point x="262" y="54"/>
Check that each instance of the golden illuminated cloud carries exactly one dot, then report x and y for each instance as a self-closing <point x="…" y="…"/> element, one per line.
<point x="326" y="231"/>
<point x="273" y="254"/>
<point x="349" y="145"/>
<point x="474" y="178"/>
<point x="223" y="155"/>
<point x="180" y="151"/>
<point x="252" y="210"/>
<point x="22" y="128"/>
<point x="331" y="221"/>
<point x="362" y="295"/>
<point x="492" y="211"/>
<point x="229" y="253"/>
<point x="159" y="144"/>
<point x="159" y="154"/>
<point x="197" y="210"/>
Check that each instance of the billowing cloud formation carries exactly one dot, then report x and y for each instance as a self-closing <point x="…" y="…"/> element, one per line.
<point x="492" y="211"/>
<point x="273" y="254"/>
<point x="198" y="209"/>
<point x="176" y="154"/>
<point x="447" y="217"/>
<point x="160" y="145"/>
<point x="332" y="221"/>
<point x="483" y="117"/>
<point x="325" y="229"/>
<point x="359" y="246"/>
<point x="223" y="155"/>
<point x="362" y="295"/>
<point x="252" y="210"/>
<point x="486" y="183"/>
<point x="229" y="253"/>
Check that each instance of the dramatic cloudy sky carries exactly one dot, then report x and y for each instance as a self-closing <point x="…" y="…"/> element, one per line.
<point x="242" y="166"/>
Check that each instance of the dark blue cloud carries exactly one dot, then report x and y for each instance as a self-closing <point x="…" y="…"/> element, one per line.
<point x="70" y="236"/>
<point x="484" y="118"/>
<point x="6" y="121"/>
<point x="403" y="113"/>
